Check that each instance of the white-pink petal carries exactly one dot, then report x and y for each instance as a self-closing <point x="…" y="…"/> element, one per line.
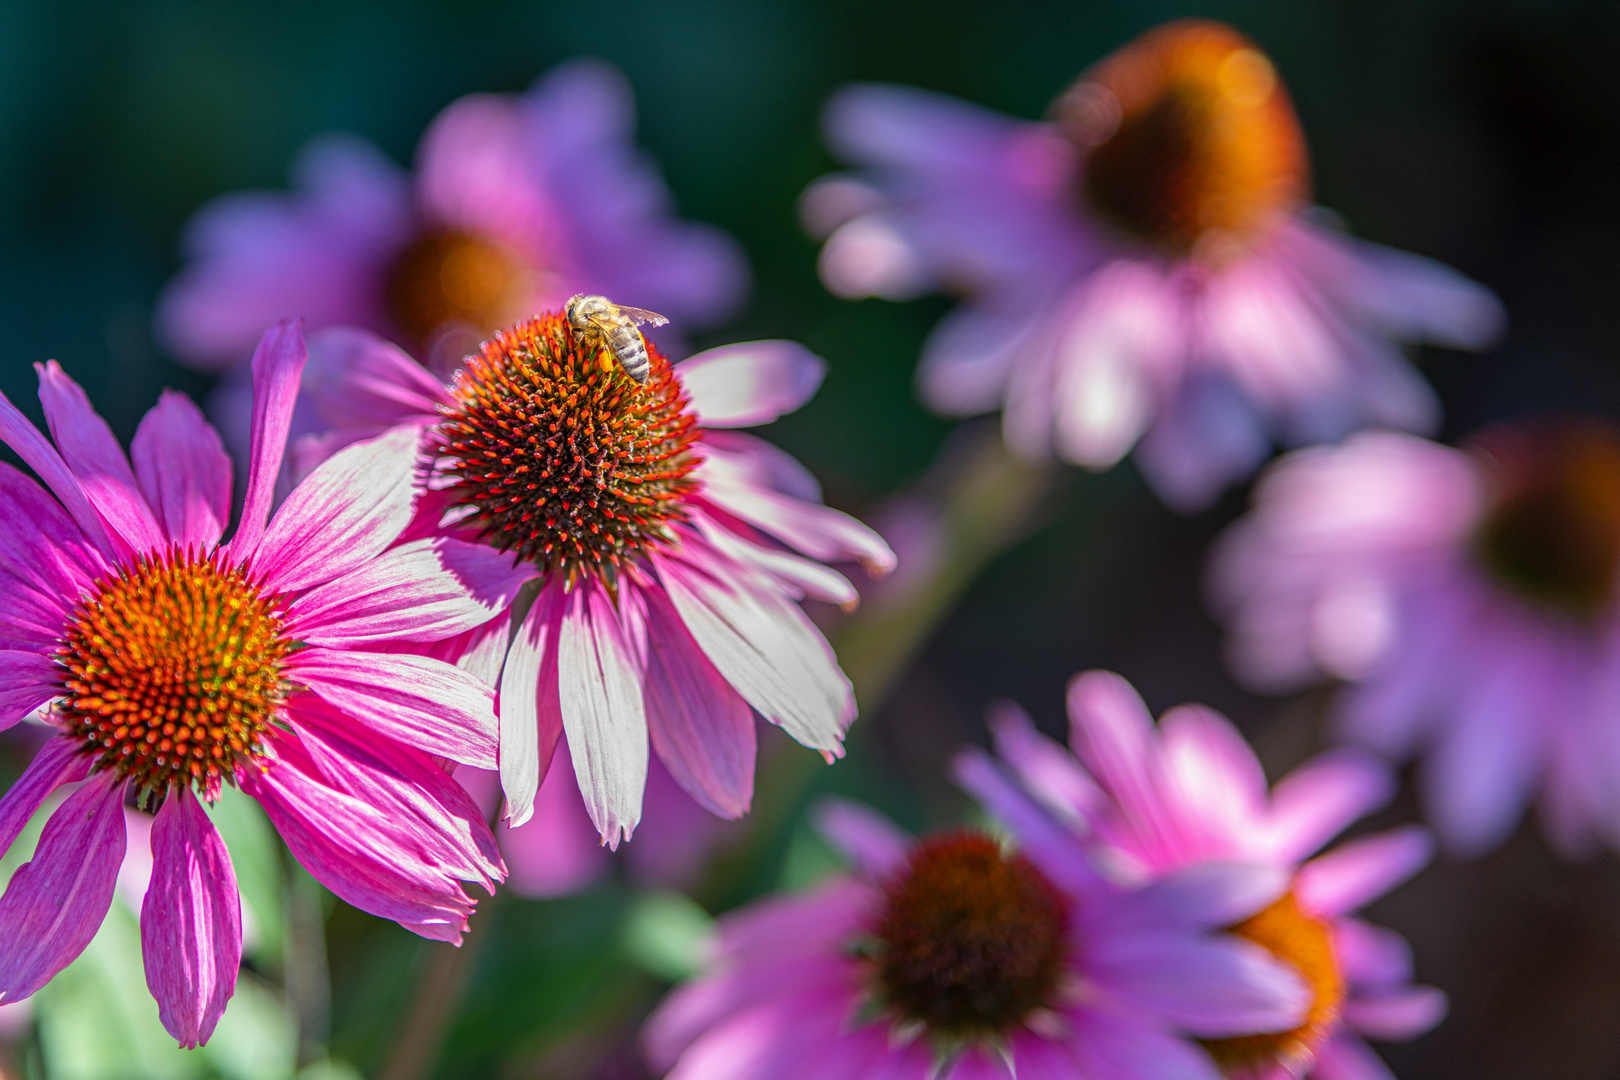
<point x="600" y="669"/>
<point x="1360" y="871"/>
<point x="750" y="383"/>
<point x="531" y="706"/>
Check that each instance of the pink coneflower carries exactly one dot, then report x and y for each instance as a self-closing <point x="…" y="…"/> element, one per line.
<point x="1141" y="270"/>
<point x="173" y="664"/>
<point x="667" y="602"/>
<point x="1469" y="597"/>
<point x="1156" y="801"/>
<point x="954" y="958"/>
<point x="517" y="202"/>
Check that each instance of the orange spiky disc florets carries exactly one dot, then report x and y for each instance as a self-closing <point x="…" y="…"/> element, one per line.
<point x="564" y="458"/>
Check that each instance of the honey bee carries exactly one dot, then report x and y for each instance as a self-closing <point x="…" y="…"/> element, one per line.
<point x="599" y="317"/>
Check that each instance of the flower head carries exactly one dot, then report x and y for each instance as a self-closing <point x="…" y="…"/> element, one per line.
<point x="668" y="555"/>
<point x="1469" y="598"/>
<point x="1140" y="271"/>
<point x="171" y="665"/>
<point x="1149" y="801"/>
<point x="956" y="957"/>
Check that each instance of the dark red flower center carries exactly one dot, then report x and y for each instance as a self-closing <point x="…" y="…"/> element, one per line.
<point x="171" y="671"/>
<point x="1305" y="941"/>
<point x="1552" y="534"/>
<point x="1189" y="141"/>
<point x="970" y="941"/>
<point x="457" y="276"/>
<point x="565" y="459"/>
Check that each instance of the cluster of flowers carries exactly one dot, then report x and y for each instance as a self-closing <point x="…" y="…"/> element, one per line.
<point x="468" y="536"/>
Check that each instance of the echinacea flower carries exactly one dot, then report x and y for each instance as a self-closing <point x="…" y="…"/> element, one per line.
<point x="669" y="554"/>
<point x="1143" y="270"/>
<point x="1470" y="599"/>
<point x="172" y="664"/>
<point x="954" y="958"/>
<point x="1156" y="801"/>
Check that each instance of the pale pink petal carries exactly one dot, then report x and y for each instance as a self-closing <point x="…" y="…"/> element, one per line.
<point x="1345" y="1057"/>
<point x="750" y="383"/>
<point x="815" y="530"/>
<point x="426" y="591"/>
<point x="761" y="464"/>
<point x="1316" y="801"/>
<point x="1220" y="790"/>
<point x="1398" y="1015"/>
<point x="362" y="383"/>
<point x="55" y="902"/>
<point x="873" y="844"/>
<point x="61" y="760"/>
<point x="1048" y="771"/>
<point x="27" y="681"/>
<point x="1112" y="732"/>
<point x="88" y="446"/>
<point x="342" y="515"/>
<point x="39" y="455"/>
<point x="420" y="701"/>
<point x="191" y="921"/>
<point x="700" y="727"/>
<point x="1362" y="870"/>
<point x="277" y="364"/>
<point x="600" y="671"/>
<point x="531" y="705"/>
<point x="184" y="472"/>
<point x="1213" y="988"/>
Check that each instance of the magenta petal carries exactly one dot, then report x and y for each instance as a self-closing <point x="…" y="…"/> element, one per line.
<point x="873" y="844"/>
<point x="184" y="472"/>
<point x="1362" y="870"/>
<point x="88" y="446"/>
<point x="1319" y="799"/>
<point x="1044" y="767"/>
<point x="1042" y="837"/>
<point x="277" y="364"/>
<point x="701" y="728"/>
<point x="599" y="669"/>
<point x="60" y="761"/>
<point x="27" y="681"/>
<point x="41" y="547"/>
<point x="191" y="921"/>
<point x="1400" y="1014"/>
<point x="420" y="701"/>
<point x="1345" y="1057"/>
<point x="55" y="903"/>
<point x="360" y="382"/>
<point x="750" y="383"/>
<point x="37" y="452"/>
<point x="531" y="707"/>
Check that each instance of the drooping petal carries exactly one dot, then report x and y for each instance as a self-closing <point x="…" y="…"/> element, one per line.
<point x="38" y="453"/>
<point x="531" y="706"/>
<point x="277" y="364"/>
<point x="750" y="383"/>
<point x="360" y="382"/>
<point x="184" y="471"/>
<point x="191" y="920"/>
<point x="1362" y="870"/>
<point x="60" y="761"/>
<point x="55" y="902"/>
<point x="600" y="676"/>
<point x="27" y="681"/>
<point x="420" y="701"/>
<point x="811" y="528"/>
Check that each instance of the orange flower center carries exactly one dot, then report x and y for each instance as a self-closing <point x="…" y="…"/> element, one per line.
<point x="171" y="671"/>
<point x="1305" y="941"/>
<point x="565" y="459"/>
<point x="970" y="941"/>
<point x="1189" y="139"/>
<point x="1552" y="534"/>
<point x="457" y="276"/>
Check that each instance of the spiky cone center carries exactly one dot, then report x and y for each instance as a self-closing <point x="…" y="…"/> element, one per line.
<point x="1551" y="534"/>
<point x="562" y="457"/>
<point x="970" y="941"/>
<point x="1292" y="934"/>
<point x="171" y="672"/>
<point x="457" y="276"/>
<point x="1189" y="142"/>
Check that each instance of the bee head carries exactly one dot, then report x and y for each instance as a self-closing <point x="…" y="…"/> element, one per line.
<point x="581" y="307"/>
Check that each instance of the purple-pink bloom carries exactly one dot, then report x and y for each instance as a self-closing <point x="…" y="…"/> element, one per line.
<point x="956" y="959"/>
<point x="1149" y="801"/>
<point x="1469" y="599"/>
<point x="172" y="664"/>
<point x="1141" y="271"/>
<point x="668" y="552"/>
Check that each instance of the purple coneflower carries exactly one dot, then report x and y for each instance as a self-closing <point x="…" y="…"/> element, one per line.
<point x="955" y="958"/>
<point x="1143" y="270"/>
<point x="1470" y="599"/>
<point x="669" y="554"/>
<point x="172" y="664"/>
<point x="1150" y="801"/>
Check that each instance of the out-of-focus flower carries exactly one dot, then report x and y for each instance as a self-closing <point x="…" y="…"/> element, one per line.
<point x="660" y="545"/>
<point x="1152" y="802"/>
<point x="1469" y="597"/>
<point x="173" y="664"/>
<point x="516" y="203"/>
<point x="954" y="958"/>
<point x="1143" y="270"/>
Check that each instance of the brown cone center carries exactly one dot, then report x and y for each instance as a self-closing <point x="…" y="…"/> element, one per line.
<point x="455" y="276"/>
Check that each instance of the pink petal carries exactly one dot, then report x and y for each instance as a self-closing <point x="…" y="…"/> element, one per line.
<point x="1047" y="770"/>
<point x="1373" y="957"/>
<point x="342" y="515"/>
<point x="277" y="364"/>
<point x="1218" y="784"/>
<point x="42" y="548"/>
<point x="750" y="383"/>
<point x="184" y="472"/>
<point x="700" y="727"/>
<point x="39" y="455"/>
<point x="873" y="844"/>
<point x="27" y="680"/>
<point x="1049" y="843"/>
<point x="473" y="171"/>
<point x="426" y="590"/>
<point x="55" y="902"/>
<point x="1111" y="731"/>
<point x="360" y="382"/>
<point x="531" y="706"/>
<point x="603" y="711"/>
<point x="1345" y="1057"/>
<point x="1316" y="801"/>
<point x="818" y="531"/>
<point x="90" y="450"/>
<point x="420" y="701"/>
<point x="1121" y="1045"/>
<point x="1362" y="870"/>
<point x="61" y="760"/>
<point x="982" y="1063"/>
<point x="1213" y="988"/>
<point x="1402" y="1014"/>
<point x="191" y="921"/>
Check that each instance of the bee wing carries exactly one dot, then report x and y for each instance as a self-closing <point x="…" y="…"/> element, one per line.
<point x="602" y="321"/>
<point x="642" y="315"/>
